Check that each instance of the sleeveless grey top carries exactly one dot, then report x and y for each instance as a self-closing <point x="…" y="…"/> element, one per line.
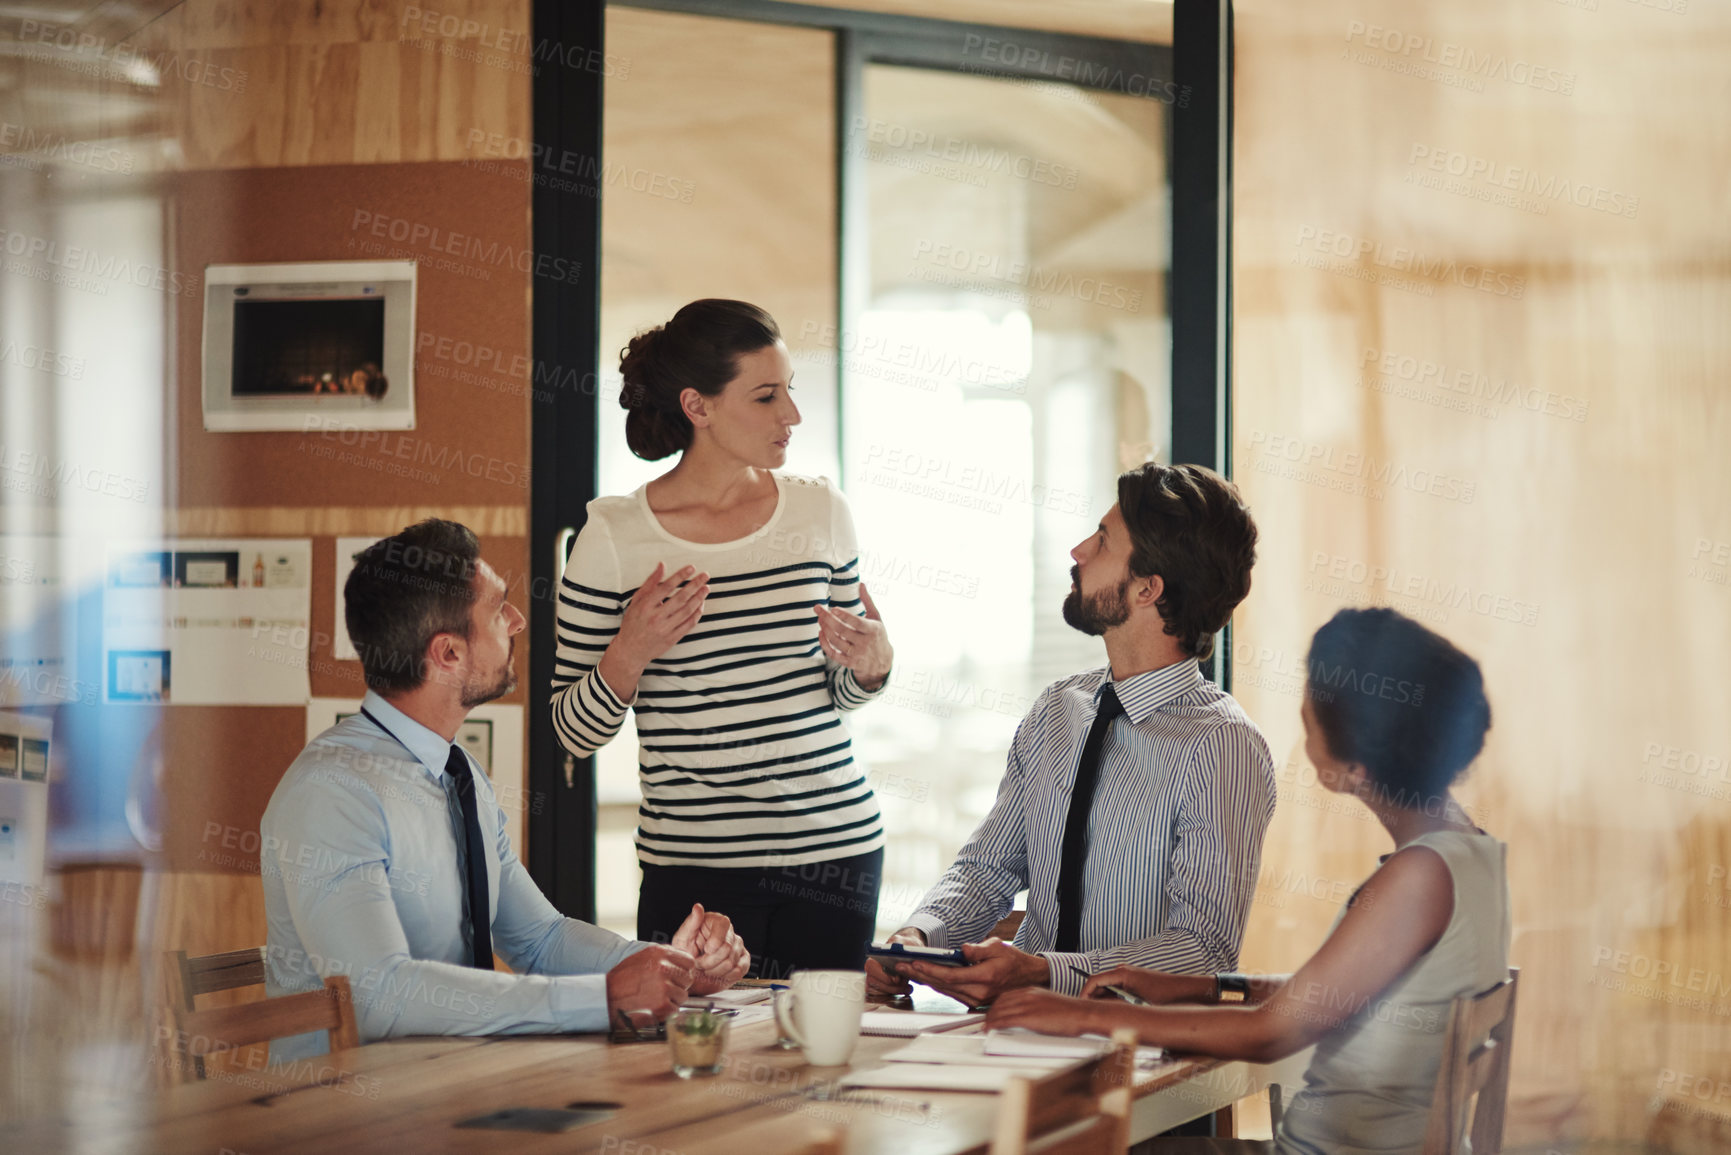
<point x="1368" y="1088"/>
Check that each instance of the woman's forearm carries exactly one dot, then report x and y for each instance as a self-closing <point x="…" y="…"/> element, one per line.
<point x="621" y="671"/>
<point x="1245" y="1032"/>
<point x="1265" y="987"/>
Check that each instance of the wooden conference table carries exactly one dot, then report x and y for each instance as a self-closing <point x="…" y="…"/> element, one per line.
<point x="406" y="1095"/>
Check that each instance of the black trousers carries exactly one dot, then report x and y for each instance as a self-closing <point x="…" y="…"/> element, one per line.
<point x="817" y="916"/>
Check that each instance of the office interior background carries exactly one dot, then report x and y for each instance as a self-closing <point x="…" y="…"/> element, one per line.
<point x="1479" y="370"/>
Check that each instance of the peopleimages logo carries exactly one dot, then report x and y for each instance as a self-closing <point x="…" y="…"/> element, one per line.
<point x="77" y="259"/>
<point x="54" y="146"/>
<point x="1438" y="375"/>
<point x="70" y="48"/>
<point x="1354" y="472"/>
<point x="1498" y="178"/>
<point x="1400" y="259"/>
<point x="1470" y="61"/>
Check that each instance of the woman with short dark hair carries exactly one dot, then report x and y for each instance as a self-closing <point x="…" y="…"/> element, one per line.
<point x="1393" y="714"/>
<point x="722" y="602"/>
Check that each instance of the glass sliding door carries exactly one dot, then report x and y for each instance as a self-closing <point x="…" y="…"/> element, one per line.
<point x="718" y="180"/>
<point x="970" y="263"/>
<point x="1009" y="354"/>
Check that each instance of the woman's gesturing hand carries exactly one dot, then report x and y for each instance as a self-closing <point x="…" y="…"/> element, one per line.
<point x="662" y="611"/>
<point x="860" y="644"/>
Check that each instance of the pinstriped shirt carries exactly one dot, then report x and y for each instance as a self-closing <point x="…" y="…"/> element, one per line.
<point x="1185" y="794"/>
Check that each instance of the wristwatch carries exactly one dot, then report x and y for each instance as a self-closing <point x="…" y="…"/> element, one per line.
<point x="1228" y="982"/>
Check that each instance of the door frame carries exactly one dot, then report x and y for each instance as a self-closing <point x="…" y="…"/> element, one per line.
<point x="566" y="104"/>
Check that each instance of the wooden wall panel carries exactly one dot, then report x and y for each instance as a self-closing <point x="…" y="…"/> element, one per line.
<point x="1537" y="471"/>
<point x="340" y="83"/>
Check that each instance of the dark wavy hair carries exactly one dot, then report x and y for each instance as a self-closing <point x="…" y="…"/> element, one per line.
<point x="1402" y="700"/>
<point x="405" y="590"/>
<point x="1189" y="526"/>
<point x="698" y="349"/>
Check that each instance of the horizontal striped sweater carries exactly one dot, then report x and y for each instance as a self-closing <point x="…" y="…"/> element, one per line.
<point x="745" y="758"/>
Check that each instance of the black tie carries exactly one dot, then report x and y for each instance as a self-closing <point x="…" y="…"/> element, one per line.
<point x="480" y="912"/>
<point x="1075" y="852"/>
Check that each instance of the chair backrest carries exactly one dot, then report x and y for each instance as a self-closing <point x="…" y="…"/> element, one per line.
<point x="184" y="1038"/>
<point x="186" y="977"/>
<point x="1006" y="927"/>
<point x="1477" y="1047"/>
<point x="1083" y="1109"/>
<point x="210" y="973"/>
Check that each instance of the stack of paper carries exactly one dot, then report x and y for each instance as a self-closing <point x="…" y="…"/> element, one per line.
<point x="907" y="1024"/>
<point x="1029" y="1045"/>
<point x="967" y="1050"/>
<point x="933" y="1077"/>
<point x="1021" y="1043"/>
<point x="740" y="996"/>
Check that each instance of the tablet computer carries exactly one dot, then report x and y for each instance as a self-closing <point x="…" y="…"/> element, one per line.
<point x="902" y="952"/>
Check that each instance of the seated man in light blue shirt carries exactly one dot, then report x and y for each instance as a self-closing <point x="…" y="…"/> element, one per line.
<point x="385" y="853"/>
<point x="1136" y="796"/>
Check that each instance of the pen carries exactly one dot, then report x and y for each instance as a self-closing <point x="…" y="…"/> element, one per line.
<point x="1114" y="989"/>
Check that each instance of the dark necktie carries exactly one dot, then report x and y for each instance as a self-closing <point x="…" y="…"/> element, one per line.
<point x="1075" y="851"/>
<point x="480" y="911"/>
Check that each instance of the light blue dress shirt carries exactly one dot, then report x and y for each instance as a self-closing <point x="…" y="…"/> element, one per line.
<point x="1185" y="794"/>
<point x="363" y="866"/>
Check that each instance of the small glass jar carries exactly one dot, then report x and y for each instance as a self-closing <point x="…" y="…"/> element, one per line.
<point x="698" y="1038"/>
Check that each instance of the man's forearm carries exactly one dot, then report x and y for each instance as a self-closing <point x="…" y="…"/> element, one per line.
<point x="418" y="997"/>
<point x="965" y="904"/>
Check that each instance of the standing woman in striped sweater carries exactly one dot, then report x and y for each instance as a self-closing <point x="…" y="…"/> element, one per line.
<point x="722" y="602"/>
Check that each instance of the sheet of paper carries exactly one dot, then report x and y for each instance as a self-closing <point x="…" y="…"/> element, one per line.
<point x="740" y="996"/>
<point x="208" y="622"/>
<point x="932" y="1077"/>
<point x="753" y="1014"/>
<point x="347" y="548"/>
<point x="906" y="1024"/>
<point x="1018" y="1042"/>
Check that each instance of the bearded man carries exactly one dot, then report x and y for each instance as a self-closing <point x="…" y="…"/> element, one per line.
<point x="1136" y="796"/>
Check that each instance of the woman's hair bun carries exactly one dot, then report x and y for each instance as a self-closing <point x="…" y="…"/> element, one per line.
<point x="698" y="349"/>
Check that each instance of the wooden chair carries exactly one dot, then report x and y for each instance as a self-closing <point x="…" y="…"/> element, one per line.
<point x="1475" y="1066"/>
<point x="1477" y="1045"/>
<point x="1006" y="927"/>
<point x="186" y="1035"/>
<point x="186" y="977"/>
<point x="190" y="977"/>
<point x="825" y="1142"/>
<point x="1083" y="1109"/>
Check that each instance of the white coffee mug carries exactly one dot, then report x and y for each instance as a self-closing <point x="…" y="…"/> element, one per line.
<point x="820" y="1010"/>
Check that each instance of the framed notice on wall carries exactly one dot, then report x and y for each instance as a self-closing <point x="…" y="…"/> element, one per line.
<point x="208" y="622"/>
<point x="26" y="744"/>
<point x="313" y="345"/>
